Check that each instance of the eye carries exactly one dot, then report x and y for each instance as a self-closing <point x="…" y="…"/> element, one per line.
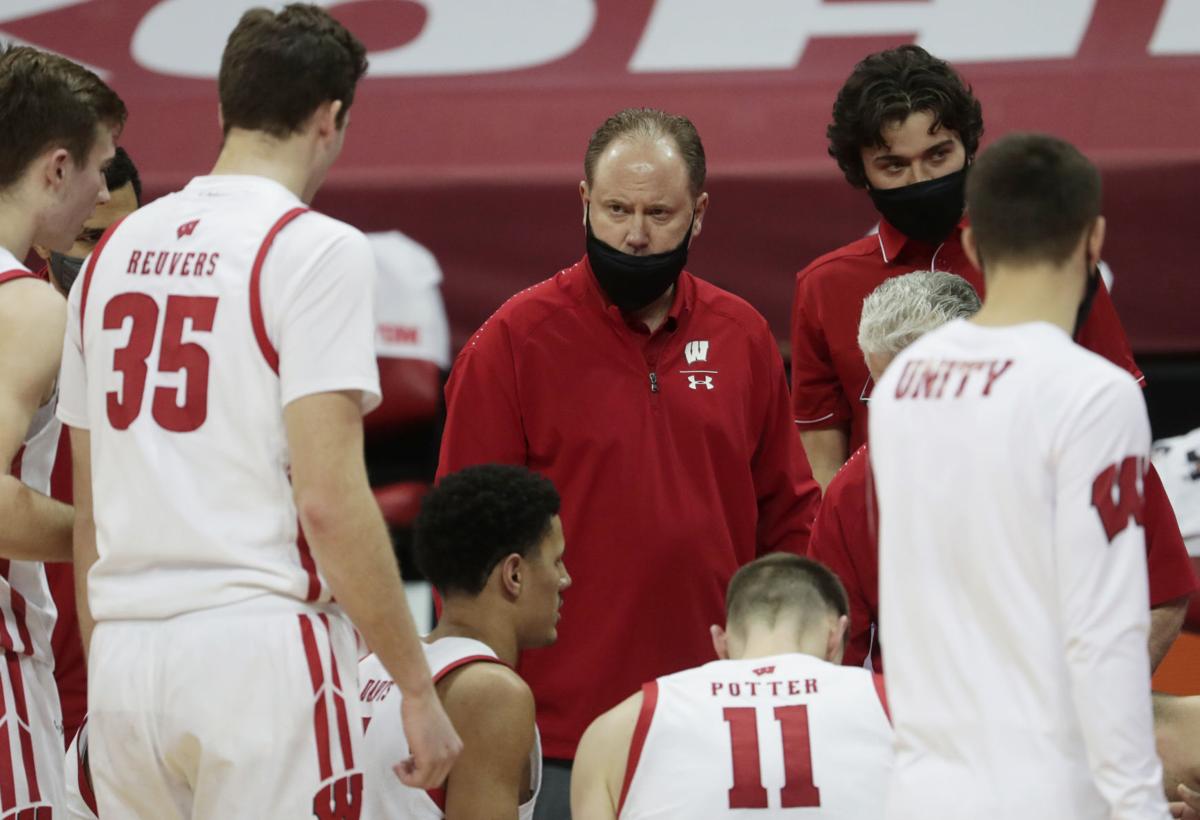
<point x="615" y="208"/>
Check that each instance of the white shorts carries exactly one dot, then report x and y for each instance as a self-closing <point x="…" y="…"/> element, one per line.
<point x="225" y="715"/>
<point x="31" y="741"/>
<point x="80" y="800"/>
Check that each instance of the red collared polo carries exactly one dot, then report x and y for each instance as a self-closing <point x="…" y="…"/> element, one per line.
<point x="676" y="459"/>
<point x="830" y="378"/>
<point x="843" y="540"/>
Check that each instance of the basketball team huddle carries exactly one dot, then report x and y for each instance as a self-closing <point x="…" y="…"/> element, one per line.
<point x="736" y="590"/>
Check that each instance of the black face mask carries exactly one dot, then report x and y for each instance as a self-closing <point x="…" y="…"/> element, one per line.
<point x="65" y="269"/>
<point x="924" y="211"/>
<point x="1089" y="296"/>
<point x="632" y="282"/>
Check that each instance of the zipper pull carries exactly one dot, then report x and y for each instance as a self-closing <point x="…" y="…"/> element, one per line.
<point x="653" y="382"/>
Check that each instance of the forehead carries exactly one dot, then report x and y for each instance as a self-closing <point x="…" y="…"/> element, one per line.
<point x="911" y="135"/>
<point x="632" y="165"/>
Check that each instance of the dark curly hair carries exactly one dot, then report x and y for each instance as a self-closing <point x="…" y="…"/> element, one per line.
<point x="889" y="86"/>
<point x="474" y="518"/>
<point x="277" y="68"/>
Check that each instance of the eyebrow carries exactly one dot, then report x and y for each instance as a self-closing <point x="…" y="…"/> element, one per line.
<point x="931" y="149"/>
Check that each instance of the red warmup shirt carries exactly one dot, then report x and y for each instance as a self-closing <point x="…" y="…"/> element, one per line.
<point x="675" y="458"/>
<point x="829" y="376"/>
<point x="842" y="540"/>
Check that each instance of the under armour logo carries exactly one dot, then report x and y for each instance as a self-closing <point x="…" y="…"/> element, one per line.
<point x="696" y="383"/>
<point x="186" y="229"/>
<point x="696" y="351"/>
<point x="764" y="670"/>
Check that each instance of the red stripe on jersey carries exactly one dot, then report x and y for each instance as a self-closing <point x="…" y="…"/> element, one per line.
<point x="640" y="730"/>
<point x="256" y="313"/>
<point x="461" y="662"/>
<point x="309" y="566"/>
<point x="339" y="701"/>
<point x="87" y="274"/>
<point x="320" y="711"/>
<point x="17" y="606"/>
<point x="82" y="771"/>
<point x="13" y="275"/>
<point x="8" y="791"/>
<point x="881" y="690"/>
<point x="18" y="685"/>
<point x="15" y="469"/>
<point x="438" y="796"/>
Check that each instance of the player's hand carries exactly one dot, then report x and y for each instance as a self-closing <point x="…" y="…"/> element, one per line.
<point x="1189" y="809"/>
<point x="431" y="738"/>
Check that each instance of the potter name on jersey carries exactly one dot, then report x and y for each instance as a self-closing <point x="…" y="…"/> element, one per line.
<point x="763" y="688"/>
<point x="946" y="378"/>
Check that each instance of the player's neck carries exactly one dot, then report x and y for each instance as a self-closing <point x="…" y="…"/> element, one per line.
<point x="1032" y="293"/>
<point x="16" y="228"/>
<point x="765" y="642"/>
<point x="471" y="619"/>
<point x="252" y="153"/>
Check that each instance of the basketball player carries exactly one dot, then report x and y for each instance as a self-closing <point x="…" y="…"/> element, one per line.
<point x="774" y="724"/>
<point x="57" y="126"/>
<point x="490" y="540"/>
<point x="1009" y="466"/>
<point x="219" y="357"/>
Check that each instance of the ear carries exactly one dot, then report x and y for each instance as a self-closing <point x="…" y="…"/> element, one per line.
<point x="57" y="163"/>
<point x="1095" y="242"/>
<point x="969" y="248"/>
<point x="585" y="198"/>
<point x="510" y="571"/>
<point x="720" y="642"/>
<point x="836" y="646"/>
<point x="698" y="219"/>
<point x="327" y="118"/>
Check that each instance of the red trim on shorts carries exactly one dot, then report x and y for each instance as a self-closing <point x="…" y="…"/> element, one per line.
<point x="85" y="782"/>
<point x="18" y="685"/>
<point x="18" y="608"/>
<point x="308" y="565"/>
<point x="881" y="690"/>
<point x="640" y="730"/>
<point x="87" y="274"/>
<point x="15" y="274"/>
<point x="8" y="789"/>
<point x="461" y="662"/>
<point x="256" y="313"/>
<point x="339" y="701"/>
<point x="320" y="712"/>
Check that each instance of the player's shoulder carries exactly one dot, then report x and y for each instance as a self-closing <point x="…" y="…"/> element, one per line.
<point x="830" y="264"/>
<point x="487" y="698"/>
<point x="26" y="302"/>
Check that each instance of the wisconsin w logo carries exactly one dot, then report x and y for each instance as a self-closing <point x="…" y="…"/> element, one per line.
<point x="696" y="351"/>
<point x="186" y="229"/>
<point x="1127" y="502"/>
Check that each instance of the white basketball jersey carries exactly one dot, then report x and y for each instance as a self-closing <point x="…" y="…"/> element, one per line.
<point x="193" y="324"/>
<point x="1008" y="465"/>
<point x="27" y="611"/>
<point x="1178" y="462"/>
<point x="384" y="796"/>
<point x="782" y="736"/>
<point x="81" y="799"/>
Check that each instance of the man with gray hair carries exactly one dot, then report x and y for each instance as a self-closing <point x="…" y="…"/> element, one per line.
<point x="894" y="315"/>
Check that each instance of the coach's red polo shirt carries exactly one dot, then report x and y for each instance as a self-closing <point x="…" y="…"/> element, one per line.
<point x="829" y="376"/>
<point x="842" y="540"/>
<point x="676" y="459"/>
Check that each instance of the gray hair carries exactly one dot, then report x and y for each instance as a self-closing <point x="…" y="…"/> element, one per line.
<point x="904" y="308"/>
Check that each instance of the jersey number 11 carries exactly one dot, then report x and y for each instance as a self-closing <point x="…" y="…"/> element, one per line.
<point x="798" y="791"/>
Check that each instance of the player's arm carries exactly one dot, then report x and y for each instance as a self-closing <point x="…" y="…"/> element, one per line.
<point x="1166" y="621"/>
<point x="1176" y="736"/>
<point x="493" y="711"/>
<point x="32" y="319"/>
<point x="350" y="541"/>
<point x="787" y="495"/>
<point x="84" y="529"/>
<point x="1103" y="596"/>
<point x="600" y="760"/>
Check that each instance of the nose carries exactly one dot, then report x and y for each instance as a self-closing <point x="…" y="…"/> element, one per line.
<point x="636" y="238"/>
<point x="920" y="173"/>
<point x="565" y="580"/>
<point x="103" y="195"/>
